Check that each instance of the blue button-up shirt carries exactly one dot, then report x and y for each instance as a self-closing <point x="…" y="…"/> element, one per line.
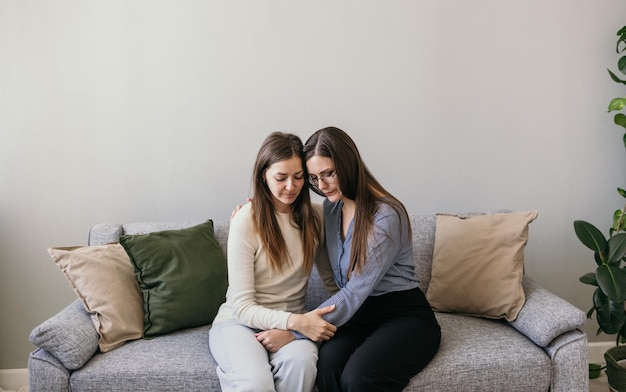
<point x="389" y="265"/>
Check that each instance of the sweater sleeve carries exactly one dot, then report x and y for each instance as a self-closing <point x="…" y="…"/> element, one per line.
<point x="243" y="246"/>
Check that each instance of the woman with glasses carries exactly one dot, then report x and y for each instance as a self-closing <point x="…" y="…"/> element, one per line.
<point x="272" y="243"/>
<point x="387" y="331"/>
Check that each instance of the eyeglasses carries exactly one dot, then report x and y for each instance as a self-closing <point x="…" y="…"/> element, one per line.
<point x="328" y="178"/>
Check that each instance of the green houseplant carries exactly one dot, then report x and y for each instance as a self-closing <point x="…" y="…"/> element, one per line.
<point x="609" y="277"/>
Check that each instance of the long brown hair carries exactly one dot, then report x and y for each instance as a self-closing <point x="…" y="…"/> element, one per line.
<point x="356" y="183"/>
<point x="278" y="147"/>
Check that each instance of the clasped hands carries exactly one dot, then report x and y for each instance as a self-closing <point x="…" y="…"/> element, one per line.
<point x="310" y="324"/>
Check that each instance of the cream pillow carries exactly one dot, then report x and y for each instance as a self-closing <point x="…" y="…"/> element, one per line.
<point x="478" y="264"/>
<point x="103" y="278"/>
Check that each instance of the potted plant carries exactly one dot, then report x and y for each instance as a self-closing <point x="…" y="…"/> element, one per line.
<point x="609" y="277"/>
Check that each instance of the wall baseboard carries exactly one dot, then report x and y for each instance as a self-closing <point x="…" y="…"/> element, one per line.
<point x="597" y="349"/>
<point x="14" y="379"/>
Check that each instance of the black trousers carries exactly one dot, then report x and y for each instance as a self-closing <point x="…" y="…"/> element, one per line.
<point x="389" y="340"/>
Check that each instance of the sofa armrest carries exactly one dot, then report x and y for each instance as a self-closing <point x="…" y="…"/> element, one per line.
<point x="46" y="373"/>
<point x="570" y="364"/>
<point x="70" y="336"/>
<point x="545" y="316"/>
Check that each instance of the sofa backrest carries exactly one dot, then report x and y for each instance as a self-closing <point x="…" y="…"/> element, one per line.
<point x="423" y="227"/>
<point x="104" y="233"/>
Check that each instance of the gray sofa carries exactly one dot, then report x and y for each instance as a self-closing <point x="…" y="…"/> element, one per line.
<point x="542" y="350"/>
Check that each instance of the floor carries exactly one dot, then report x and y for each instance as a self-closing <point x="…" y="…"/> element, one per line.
<point x="22" y="389"/>
<point x="599" y="384"/>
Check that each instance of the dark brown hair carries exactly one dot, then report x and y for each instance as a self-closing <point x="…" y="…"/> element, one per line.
<point x="278" y="147"/>
<point x="356" y="183"/>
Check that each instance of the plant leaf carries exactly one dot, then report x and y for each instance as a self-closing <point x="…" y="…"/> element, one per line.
<point x="620" y="119"/>
<point x="622" y="333"/>
<point x="617" y="103"/>
<point x="595" y="370"/>
<point x="589" y="278"/>
<point x="621" y="192"/>
<point x="621" y="64"/>
<point x="621" y="34"/>
<point x="591" y="237"/>
<point x="615" y="78"/>
<point x="617" y="249"/>
<point x="597" y="258"/>
<point x="610" y="315"/>
<point x="612" y="281"/>
<point x="619" y="220"/>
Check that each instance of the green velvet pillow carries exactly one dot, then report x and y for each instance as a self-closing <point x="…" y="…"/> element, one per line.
<point x="182" y="275"/>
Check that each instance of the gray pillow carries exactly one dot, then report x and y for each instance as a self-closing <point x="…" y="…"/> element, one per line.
<point x="69" y="335"/>
<point x="545" y="316"/>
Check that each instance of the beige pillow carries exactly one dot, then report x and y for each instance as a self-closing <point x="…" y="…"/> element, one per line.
<point x="478" y="264"/>
<point x="103" y="278"/>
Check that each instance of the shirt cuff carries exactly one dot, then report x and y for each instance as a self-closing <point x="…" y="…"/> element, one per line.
<point x="298" y="335"/>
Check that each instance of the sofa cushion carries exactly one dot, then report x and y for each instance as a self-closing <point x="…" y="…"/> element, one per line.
<point x="182" y="276"/>
<point x="478" y="264"/>
<point x="103" y="278"/>
<point x="480" y="354"/>
<point x="178" y="361"/>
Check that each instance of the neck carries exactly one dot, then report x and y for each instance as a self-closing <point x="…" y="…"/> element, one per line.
<point x="282" y="208"/>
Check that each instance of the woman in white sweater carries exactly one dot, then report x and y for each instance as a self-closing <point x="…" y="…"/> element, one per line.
<point x="272" y="244"/>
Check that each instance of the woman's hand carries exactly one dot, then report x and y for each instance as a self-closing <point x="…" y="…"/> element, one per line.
<point x="237" y="208"/>
<point x="312" y="325"/>
<point x="274" y="339"/>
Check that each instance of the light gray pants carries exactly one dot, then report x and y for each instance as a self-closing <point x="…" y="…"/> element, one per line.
<point x="243" y="364"/>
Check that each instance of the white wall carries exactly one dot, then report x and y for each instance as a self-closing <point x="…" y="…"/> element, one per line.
<point x="153" y="110"/>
